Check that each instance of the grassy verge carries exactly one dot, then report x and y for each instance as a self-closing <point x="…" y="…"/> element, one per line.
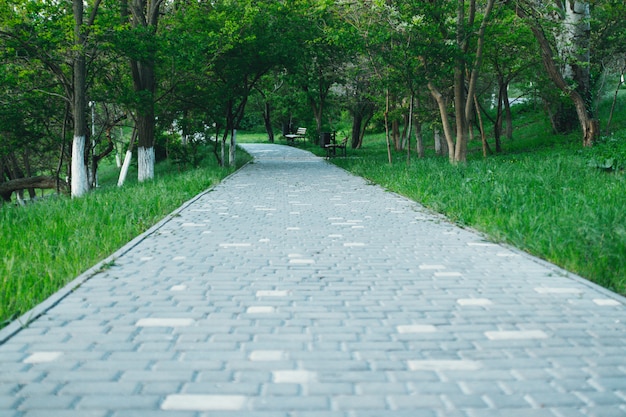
<point x="43" y="246"/>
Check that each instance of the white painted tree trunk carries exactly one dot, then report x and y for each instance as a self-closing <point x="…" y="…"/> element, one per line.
<point x="233" y="148"/>
<point x="437" y="135"/>
<point x="80" y="180"/>
<point x="573" y="41"/>
<point x="124" y="171"/>
<point x="145" y="163"/>
<point x="223" y="152"/>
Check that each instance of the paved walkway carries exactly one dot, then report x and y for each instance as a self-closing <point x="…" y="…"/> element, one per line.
<point x="294" y="289"/>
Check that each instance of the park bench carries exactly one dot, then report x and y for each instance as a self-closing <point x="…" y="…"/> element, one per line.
<point x="300" y="134"/>
<point x="331" y="148"/>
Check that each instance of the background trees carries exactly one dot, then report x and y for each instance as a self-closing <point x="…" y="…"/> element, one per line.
<point x="181" y="70"/>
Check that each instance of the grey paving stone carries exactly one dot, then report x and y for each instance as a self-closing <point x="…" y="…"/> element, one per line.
<point x="100" y="402"/>
<point x="303" y="291"/>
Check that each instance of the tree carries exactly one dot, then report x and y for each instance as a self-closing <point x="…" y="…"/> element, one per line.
<point x="359" y="100"/>
<point x="143" y="16"/>
<point x="326" y="46"/>
<point x="40" y="32"/>
<point x="569" y="70"/>
<point x="608" y="47"/>
<point x="444" y="42"/>
<point x="512" y="54"/>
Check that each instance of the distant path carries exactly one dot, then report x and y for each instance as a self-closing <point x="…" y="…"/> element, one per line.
<point x="294" y="289"/>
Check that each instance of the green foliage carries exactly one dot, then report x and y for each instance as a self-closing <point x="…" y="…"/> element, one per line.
<point x="45" y="245"/>
<point x="609" y="154"/>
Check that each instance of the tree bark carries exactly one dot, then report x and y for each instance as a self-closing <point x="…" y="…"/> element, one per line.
<point x="357" y="120"/>
<point x="145" y="15"/>
<point x="387" y="94"/>
<point x="267" y="120"/>
<point x="443" y="112"/>
<point x="80" y="179"/>
<point x="232" y="148"/>
<point x="41" y="182"/>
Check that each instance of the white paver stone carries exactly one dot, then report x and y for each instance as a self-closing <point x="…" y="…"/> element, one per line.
<point x="448" y="274"/>
<point x="298" y="376"/>
<point x="474" y="302"/>
<point x="260" y="309"/>
<point x="301" y="261"/>
<point x="267" y="355"/>
<point x="606" y="302"/>
<point x="558" y="290"/>
<point x="516" y="335"/>
<point x="187" y="402"/>
<point x="416" y="328"/>
<point x="235" y="245"/>
<point x="272" y="293"/>
<point x="43" y="357"/>
<point x="429" y="267"/>
<point x="164" y="322"/>
<point x="444" y="365"/>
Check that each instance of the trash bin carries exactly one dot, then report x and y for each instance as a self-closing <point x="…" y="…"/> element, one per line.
<point x="325" y="139"/>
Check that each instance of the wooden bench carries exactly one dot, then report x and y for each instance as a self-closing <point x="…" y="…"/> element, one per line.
<point x="300" y="134"/>
<point x="331" y="148"/>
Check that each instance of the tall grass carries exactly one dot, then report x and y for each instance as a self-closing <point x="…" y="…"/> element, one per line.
<point x="45" y="245"/>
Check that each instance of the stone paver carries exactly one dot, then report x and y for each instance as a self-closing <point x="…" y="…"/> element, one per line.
<point x="294" y="289"/>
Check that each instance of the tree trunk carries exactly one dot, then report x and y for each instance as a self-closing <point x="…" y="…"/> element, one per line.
<point x="145" y="163"/>
<point x="390" y="160"/>
<point x="443" y="113"/>
<point x="508" y="117"/>
<point x="481" y="126"/>
<point x="357" y="120"/>
<point x="80" y="179"/>
<point x="462" y="128"/>
<point x="41" y="182"/>
<point x="409" y="130"/>
<point x="145" y="145"/>
<point x="419" y="139"/>
<point x="145" y="15"/>
<point x="127" y="159"/>
<point x="31" y="191"/>
<point x="232" y="148"/>
<point x="395" y="134"/>
<point x="267" y="120"/>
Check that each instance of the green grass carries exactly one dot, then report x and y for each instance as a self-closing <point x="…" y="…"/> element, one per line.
<point x="46" y="245"/>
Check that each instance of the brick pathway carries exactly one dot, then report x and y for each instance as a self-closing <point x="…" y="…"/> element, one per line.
<point x="294" y="289"/>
